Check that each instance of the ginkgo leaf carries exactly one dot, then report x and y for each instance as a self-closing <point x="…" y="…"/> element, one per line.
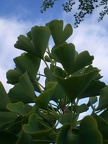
<point x="89" y="132"/>
<point x="40" y="37"/>
<point x="59" y="35"/>
<point x="22" y="91"/>
<point x="33" y="128"/>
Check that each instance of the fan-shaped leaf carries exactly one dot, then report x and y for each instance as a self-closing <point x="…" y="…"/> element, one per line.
<point x="22" y="91"/>
<point x="29" y="63"/>
<point x="59" y="35"/>
<point x="88" y="131"/>
<point x="18" y="108"/>
<point x="74" y="86"/>
<point x="40" y="37"/>
<point x="43" y="99"/>
<point x="33" y="128"/>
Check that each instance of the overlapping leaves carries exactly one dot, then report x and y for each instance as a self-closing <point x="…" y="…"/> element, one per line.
<point x="31" y="117"/>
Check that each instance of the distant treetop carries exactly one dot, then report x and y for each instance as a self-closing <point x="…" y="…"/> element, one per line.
<point x="84" y="7"/>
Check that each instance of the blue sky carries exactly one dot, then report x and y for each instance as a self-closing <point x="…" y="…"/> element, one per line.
<point x="18" y="16"/>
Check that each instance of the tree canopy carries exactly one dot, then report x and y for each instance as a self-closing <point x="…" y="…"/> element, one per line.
<point x="83" y="8"/>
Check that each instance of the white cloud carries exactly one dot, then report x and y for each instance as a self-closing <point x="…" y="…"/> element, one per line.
<point x="10" y="29"/>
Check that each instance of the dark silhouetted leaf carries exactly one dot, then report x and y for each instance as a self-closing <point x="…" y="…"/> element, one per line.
<point x="4" y="98"/>
<point x="88" y="131"/>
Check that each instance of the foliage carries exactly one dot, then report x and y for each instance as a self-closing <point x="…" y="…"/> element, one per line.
<point x="82" y="8"/>
<point x="32" y="113"/>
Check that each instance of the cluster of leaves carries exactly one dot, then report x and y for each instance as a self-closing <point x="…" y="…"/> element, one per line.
<point x="32" y="113"/>
<point x="84" y="7"/>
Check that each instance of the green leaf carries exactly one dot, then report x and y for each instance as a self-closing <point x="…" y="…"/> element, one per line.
<point x="102" y="126"/>
<point x="13" y="76"/>
<point x="40" y="37"/>
<point x="81" y="108"/>
<point x="29" y="63"/>
<point x="88" y="131"/>
<point x="59" y="35"/>
<point x="33" y="128"/>
<point x="22" y="91"/>
<point x="43" y="99"/>
<point x="25" y="44"/>
<point x="103" y="100"/>
<point x="18" y="108"/>
<point x="66" y="55"/>
<point x="74" y="86"/>
<point x="93" y="89"/>
<point x="92" y="100"/>
<point x="4" y="98"/>
<point x="104" y="114"/>
<point x="62" y="137"/>
<point x="67" y="118"/>
<point x="73" y="139"/>
<point x="7" y="138"/>
<point x="7" y="118"/>
<point x="25" y="139"/>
